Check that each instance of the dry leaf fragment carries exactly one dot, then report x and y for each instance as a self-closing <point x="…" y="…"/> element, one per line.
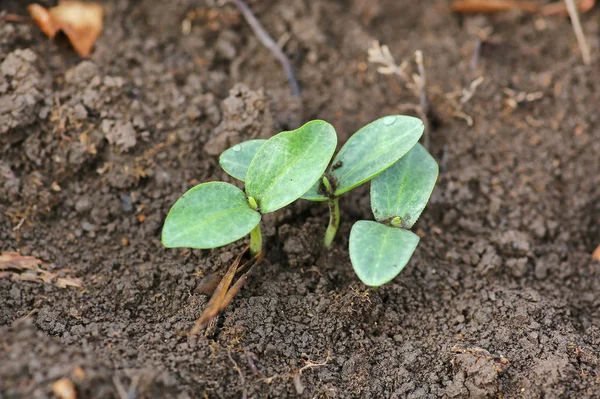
<point x="494" y="6"/>
<point x="560" y="8"/>
<point x="79" y="373"/>
<point x="225" y="292"/>
<point x="81" y="22"/>
<point x="596" y="253"/>
<point x="28" y="268"/>
<point x="64" y="389"/>
<point x="42" y="17"/>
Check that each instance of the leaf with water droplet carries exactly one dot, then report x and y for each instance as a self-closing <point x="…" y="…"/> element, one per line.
<point x="379" y="252"/>
<point x="403" y="190"/>
<point x="236" y="160"/>
<point x="374" y="148"/>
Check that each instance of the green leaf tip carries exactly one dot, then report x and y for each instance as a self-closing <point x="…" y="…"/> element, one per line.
<point x="236" y="160"/>
<point x="402" y="191"/>
<point x="209" y="215"/>
<point x="374" y="148"/>
<point x="288" y="164"/>
<point x="379" y="252"/>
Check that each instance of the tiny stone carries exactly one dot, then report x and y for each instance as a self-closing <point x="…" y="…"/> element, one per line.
<point x="83" y="204"/>
<point x="126" y="203"/>
<point x="87" y="226"/>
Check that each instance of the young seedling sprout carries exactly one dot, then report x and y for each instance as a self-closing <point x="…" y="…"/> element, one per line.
<point x="380" y="250"/>
<point x="293" y="165"/>
<point x="214" y="214"/>
<point x="370" y="151"/>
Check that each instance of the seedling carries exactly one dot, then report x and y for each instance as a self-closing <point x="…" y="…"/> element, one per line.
<point x="214" y="214"/>
<point x="380" y="250"/>
<point x="293" y="165"/>
<point x="370" y="151"/>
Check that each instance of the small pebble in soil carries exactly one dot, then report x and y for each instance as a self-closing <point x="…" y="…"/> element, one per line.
<point x="126" y="203"/>
<point x="83" y="204"/>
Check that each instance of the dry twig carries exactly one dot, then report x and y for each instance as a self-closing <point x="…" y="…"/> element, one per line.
<point x="381" y="56"/>
<point x="495" y="6"/>
<point x="269" y="43"/>
<point x="225" y="292"/>
<point x="420" y="82"/>
<point x="308" y="364"/>
<point x="583" y="44"/>
<point x="239" y="371"/>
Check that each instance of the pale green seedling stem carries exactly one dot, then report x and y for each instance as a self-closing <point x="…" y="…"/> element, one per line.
<point x="255" y="234"/>
<point x="334" y="221"/>
<point x="334" y="214"/>
<point x="255" y="241"/>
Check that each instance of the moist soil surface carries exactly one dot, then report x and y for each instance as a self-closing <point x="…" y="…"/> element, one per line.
<point x="501" y="299"/>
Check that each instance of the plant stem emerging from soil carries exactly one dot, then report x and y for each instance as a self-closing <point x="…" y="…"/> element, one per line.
<point x="334" y="221"/>
<point x="255" y="241"/>
<point x="269" y="43"/>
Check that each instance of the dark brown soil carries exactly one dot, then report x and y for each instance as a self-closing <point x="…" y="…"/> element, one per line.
<point x="502" y="298"/>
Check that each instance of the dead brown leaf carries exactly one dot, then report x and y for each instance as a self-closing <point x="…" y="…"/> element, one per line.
<point x="596" y="253"/>
<point x="80" y="22"/>
<point x="64" y="389"/>
<point x="27" y="268"/>
<point x="560" y="8"/>
<point x="494" y="6"/>
<point x="225" y="292"/>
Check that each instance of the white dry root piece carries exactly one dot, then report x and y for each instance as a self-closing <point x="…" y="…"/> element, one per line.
<point x="382" y="56"/>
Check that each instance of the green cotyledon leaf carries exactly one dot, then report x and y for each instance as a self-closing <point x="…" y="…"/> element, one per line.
<point x="403" y="190"/>
<point x="236" y="160"/>
<point x="379" y="252"/>
<point x="209" y="215"/>
<point x="374" y="148"/>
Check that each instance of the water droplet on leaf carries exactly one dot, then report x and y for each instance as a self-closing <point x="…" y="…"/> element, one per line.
<point x="237" y="148"/>
<point x="389" y="120"/>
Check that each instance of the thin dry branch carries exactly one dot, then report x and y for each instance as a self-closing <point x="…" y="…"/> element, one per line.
<point x="225" y="292"/>
<point x="421" y="82"/>
<point x="381" y="56"/>
<point x="583" y="44"/>
<point x="269" y="43"/>
<point x="240" y="374"/>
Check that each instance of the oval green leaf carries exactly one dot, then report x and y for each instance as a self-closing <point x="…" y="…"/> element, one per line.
<point x="236" y="160"/>
<point x="379" y="252"/>
<point x="404" y="189"/>
<point x="289" y="164"/>
<point x="209" y="215"/>
<point x="374" y="148"/>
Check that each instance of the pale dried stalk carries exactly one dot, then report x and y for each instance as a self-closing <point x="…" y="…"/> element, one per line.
<point x="269" y="43"/>
<point x="583" y="44"/>
<point x="382" y="56"/>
